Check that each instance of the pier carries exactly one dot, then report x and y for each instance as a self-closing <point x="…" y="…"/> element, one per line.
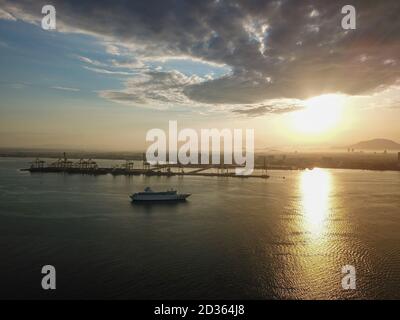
<point x="90" y="167"/>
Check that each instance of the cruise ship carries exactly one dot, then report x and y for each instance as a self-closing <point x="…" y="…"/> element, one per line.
<point x="150" y="195"/>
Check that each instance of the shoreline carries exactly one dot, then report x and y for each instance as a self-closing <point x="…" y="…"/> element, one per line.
<point x="289" y="162"/>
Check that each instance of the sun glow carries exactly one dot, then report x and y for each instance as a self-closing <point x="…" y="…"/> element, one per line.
<point x="320" y="114"/>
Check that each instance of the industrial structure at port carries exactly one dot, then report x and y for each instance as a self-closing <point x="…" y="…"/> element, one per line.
<point x="82" y="166"/>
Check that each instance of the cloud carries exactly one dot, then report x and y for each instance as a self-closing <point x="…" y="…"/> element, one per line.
<point x="112" y="49"/>
<point x="156" y="89"/>
<point x="277" y="108"/>
<point x="126" y="63"/>
<point x="6" y="15"/>
<point x="65" y="88"/>
<point x="90" y="61"/>
<point x="130" y="63"/>
<point x="110" y="72"/>
<point x="275" y="49"/>
<point x="390" y="62"/>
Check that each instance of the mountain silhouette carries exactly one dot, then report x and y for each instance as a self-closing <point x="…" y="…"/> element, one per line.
<point x="377" y="144"/>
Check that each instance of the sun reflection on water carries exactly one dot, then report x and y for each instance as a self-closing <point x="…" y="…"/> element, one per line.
<point x="315" y="187"/>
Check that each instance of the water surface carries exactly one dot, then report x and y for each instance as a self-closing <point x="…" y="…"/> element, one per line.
<point x="283" y="238"/>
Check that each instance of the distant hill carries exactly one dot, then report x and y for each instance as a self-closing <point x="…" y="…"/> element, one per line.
<point x="376" y="144"/>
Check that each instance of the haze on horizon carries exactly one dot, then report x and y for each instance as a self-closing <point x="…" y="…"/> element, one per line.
<point x="110" y="72"/>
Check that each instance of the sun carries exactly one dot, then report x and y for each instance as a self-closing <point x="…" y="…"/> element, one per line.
<point x="320" y="114"/>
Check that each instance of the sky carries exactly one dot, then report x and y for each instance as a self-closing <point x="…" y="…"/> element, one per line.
<point x="112" y="70"/>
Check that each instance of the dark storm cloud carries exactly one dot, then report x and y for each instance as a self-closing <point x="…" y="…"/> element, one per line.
<point x="276" y="49"/>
